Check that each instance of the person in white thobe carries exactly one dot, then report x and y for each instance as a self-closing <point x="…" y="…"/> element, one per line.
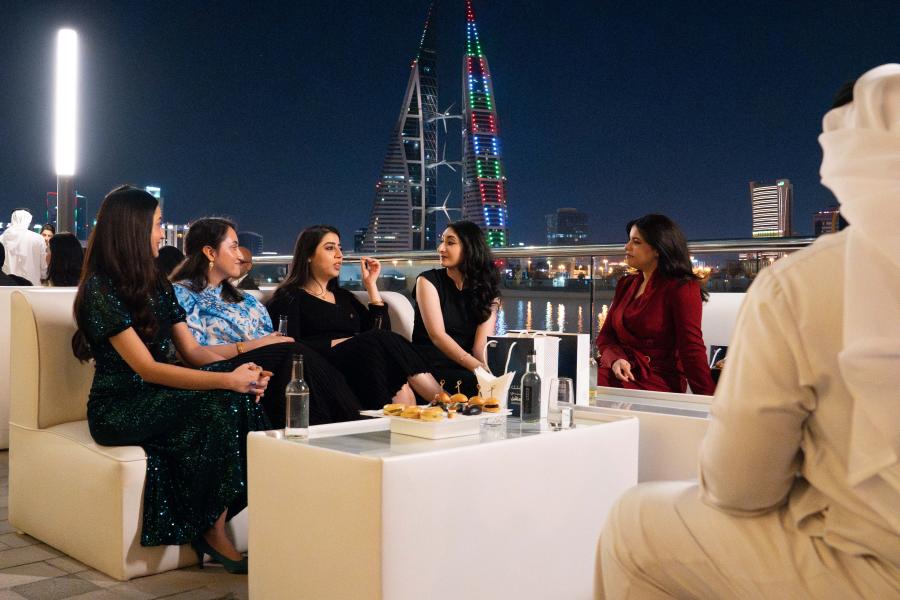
<point x="799" y="492"/>
<point x="26" y="250"/>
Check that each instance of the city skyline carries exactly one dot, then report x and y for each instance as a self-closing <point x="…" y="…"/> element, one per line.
<point x="614" y="109"/>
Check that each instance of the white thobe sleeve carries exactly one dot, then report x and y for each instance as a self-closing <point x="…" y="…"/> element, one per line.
<point x="751" y="452"/>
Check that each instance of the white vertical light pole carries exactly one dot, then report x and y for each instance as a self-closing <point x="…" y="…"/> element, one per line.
<point x="65" y="127"/>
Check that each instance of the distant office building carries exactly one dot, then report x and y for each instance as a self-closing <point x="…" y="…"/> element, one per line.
<point x="156" y="192"/>
<point x="251" y="240"/>
<point x="772" y="204"/>
<point x="82" y="228"/>
<point x="359" y="237"/>
<point x="828" y="221"/>
<point x="175" y="235"/>
<point x="567" y="227"/>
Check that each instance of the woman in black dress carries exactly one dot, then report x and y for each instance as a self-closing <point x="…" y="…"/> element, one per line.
<point x="192" y="423"/>
<point x="376" y="362"/>
<point x="235" y="325"/>
<point x="456" y="306"/>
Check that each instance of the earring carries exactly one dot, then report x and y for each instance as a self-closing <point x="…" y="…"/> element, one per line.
<point x="210" y="265"/>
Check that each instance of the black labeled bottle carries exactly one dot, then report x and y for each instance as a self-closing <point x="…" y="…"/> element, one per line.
<point x="531" y="391"/>
<point x="296" y="405"/>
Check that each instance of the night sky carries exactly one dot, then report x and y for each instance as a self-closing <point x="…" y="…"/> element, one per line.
<point x="278" y="114"/>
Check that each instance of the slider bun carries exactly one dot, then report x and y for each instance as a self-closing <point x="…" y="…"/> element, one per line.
<point x="491" y="405"/>
<point x="476" y="401"/>
<point x="412" y="412"/>
<point x="457" y="398"/>
<point x="393" y="409"/>
<point x="433" y="413"/>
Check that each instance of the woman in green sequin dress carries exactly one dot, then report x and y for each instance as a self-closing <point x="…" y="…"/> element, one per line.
<point x="192" y="423"/>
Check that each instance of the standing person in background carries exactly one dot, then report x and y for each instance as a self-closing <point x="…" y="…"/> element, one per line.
<point x="47" y="232"/>
<point x="456" y="306"/>
<point x="243" y="281"/>
<point x="799" y="488"/>
<point x="651" y="338"/>
<point x="9" y="280"/>
<point x="357" y="340"/>
<point x="234" y="325"/>
<point x="192" y="423"/>
<point x="66" y="258"/>
<point x="168" y="259"/>
<point x="26" y="250"/>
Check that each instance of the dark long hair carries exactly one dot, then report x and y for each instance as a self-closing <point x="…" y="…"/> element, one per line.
<point x="299" y="273"/>
<point x="479" y="272"/>
<point x="119" y="248"/>
<point x="205" y="232"/>
<point x="666" y="238"/>
<point x="66" y="260"/>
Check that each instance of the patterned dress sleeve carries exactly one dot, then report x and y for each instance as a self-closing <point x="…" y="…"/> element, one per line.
<point x="190" y="307"/>
<point x="104" y="312"/>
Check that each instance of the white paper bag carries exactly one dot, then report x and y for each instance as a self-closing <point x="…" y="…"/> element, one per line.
<point x="509" y="352"/>
<point x="495" y="387"/>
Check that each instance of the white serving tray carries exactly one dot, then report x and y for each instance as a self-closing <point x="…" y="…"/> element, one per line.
<point x="458" y="426"/>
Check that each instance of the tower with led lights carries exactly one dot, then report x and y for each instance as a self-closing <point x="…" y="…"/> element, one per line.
<point x="400" y="218"/>
<point x="483" y="175"/>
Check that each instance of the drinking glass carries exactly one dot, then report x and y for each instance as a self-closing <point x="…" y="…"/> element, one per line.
<point x="562" y="389"/>
<point x="282" y="324"/>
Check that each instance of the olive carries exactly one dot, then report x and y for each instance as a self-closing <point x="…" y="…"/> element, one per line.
<point x="472" y="410"/>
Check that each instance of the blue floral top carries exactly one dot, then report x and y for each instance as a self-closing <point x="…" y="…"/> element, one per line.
<point x="214" y="321"/>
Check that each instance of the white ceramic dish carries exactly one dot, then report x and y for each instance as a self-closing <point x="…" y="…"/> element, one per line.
<point x="458" y="426"/>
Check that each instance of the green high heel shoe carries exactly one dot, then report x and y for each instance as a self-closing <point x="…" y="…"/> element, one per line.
<point x="201" y="547"/>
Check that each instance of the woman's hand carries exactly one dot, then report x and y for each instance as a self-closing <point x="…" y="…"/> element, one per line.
<point x="337" y="341"/>
<point x="371" y="269"/>
<point x="272" y="338"/>
<point x="249" y="379"/>
<point x="622" y="370"/>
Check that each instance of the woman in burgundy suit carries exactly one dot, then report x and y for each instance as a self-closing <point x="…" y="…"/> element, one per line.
<point x="651" y="339"/>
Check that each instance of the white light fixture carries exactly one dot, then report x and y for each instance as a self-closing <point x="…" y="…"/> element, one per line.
<point x="66" y="101"/>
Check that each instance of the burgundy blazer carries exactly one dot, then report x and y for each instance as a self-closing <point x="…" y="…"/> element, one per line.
<point x="658" y="333"/>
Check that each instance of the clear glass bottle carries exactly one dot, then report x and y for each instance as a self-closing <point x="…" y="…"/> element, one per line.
<point x="531" y="391"/>
<point x="296" y="405"/>
<point x="593" y="365"/>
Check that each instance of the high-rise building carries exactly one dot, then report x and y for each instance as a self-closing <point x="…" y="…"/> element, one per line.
<point x="156" y="192"/>
<point x="484" y="178"/>
<point x="772" y="204"/>
<point x="400" y="219"/>
<point x="82" y="227"/>
<point x="567" y="227"/>
<point x="175" y="235"/>
<point x="359" y="236"/>
<point x="252" y="241"/>
<point x="828" y="221"/>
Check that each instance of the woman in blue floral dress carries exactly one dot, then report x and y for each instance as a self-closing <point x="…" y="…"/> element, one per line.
<point x="236" y="326"/>
<point x="192" y="423"/>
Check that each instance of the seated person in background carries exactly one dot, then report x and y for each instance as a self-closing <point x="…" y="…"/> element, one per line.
<point x="799" y="493"/>
<point x="66" y="258"/>
<point x="376" y="362"/>
<point x="169" y="258"/>
<point x="236" y="326"/>
<point x="243" y="281"/>
<point x="9" y="280"/>
<point x="456" y="306"/>
<point x="651" y="339"/>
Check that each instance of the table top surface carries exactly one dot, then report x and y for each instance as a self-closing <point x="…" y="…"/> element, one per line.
<point x="384" y="444"/>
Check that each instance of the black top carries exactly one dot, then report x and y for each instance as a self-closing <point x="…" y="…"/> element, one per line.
<point x="458" y="324"/>
<point x="317" y="321"/>
<point x="11" y="280"/>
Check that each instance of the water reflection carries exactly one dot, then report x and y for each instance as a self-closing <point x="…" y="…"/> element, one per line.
<point x="567" y="316"/>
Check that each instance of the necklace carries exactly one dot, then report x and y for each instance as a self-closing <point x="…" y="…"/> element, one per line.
<point x="312" y="293"/>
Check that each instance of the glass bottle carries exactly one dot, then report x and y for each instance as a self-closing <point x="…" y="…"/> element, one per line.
<point x="296" y="405"/>
<point x="531" y="391"/>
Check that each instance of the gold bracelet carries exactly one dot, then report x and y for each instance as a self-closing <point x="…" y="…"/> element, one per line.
<point x="240" y="347"/>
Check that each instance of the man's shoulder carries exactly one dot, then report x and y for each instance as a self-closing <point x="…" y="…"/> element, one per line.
<point x="826" y="252"/>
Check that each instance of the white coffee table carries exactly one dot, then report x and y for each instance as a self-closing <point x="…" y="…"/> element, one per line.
<point x="513" y="513"/>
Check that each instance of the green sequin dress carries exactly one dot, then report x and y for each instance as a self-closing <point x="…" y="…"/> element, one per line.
<point x="196" y="441"/>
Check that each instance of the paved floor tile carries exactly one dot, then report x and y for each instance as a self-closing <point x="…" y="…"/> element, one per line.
<point x="15" y="576"/>
<point x="98" y="578"/>
<point x="123" y="591"/>
<point x="69" y="565"/>
<point x="5" y="527"/>
<point x="55" y="589"/>
<point x="201" y="594"/>
<point x="10" y="595"/>
<point x="17" y="540"/>
<point x="25" y="555"/>
<point x="173" y="582"/>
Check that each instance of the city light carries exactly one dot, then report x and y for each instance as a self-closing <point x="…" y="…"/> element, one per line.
<point x="66" y="101"/>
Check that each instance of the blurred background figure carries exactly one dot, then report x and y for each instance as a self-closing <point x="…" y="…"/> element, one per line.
<point x="47" y="232"/>
<point x="244" y="281"/>
<point x="26" y="250"/>
<point x="66" y="258"/>
<point x="169" y="258"/>
<point x="10" y="279"/>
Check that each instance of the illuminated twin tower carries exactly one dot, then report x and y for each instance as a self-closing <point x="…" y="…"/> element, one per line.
<point x="406" y="208"/>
